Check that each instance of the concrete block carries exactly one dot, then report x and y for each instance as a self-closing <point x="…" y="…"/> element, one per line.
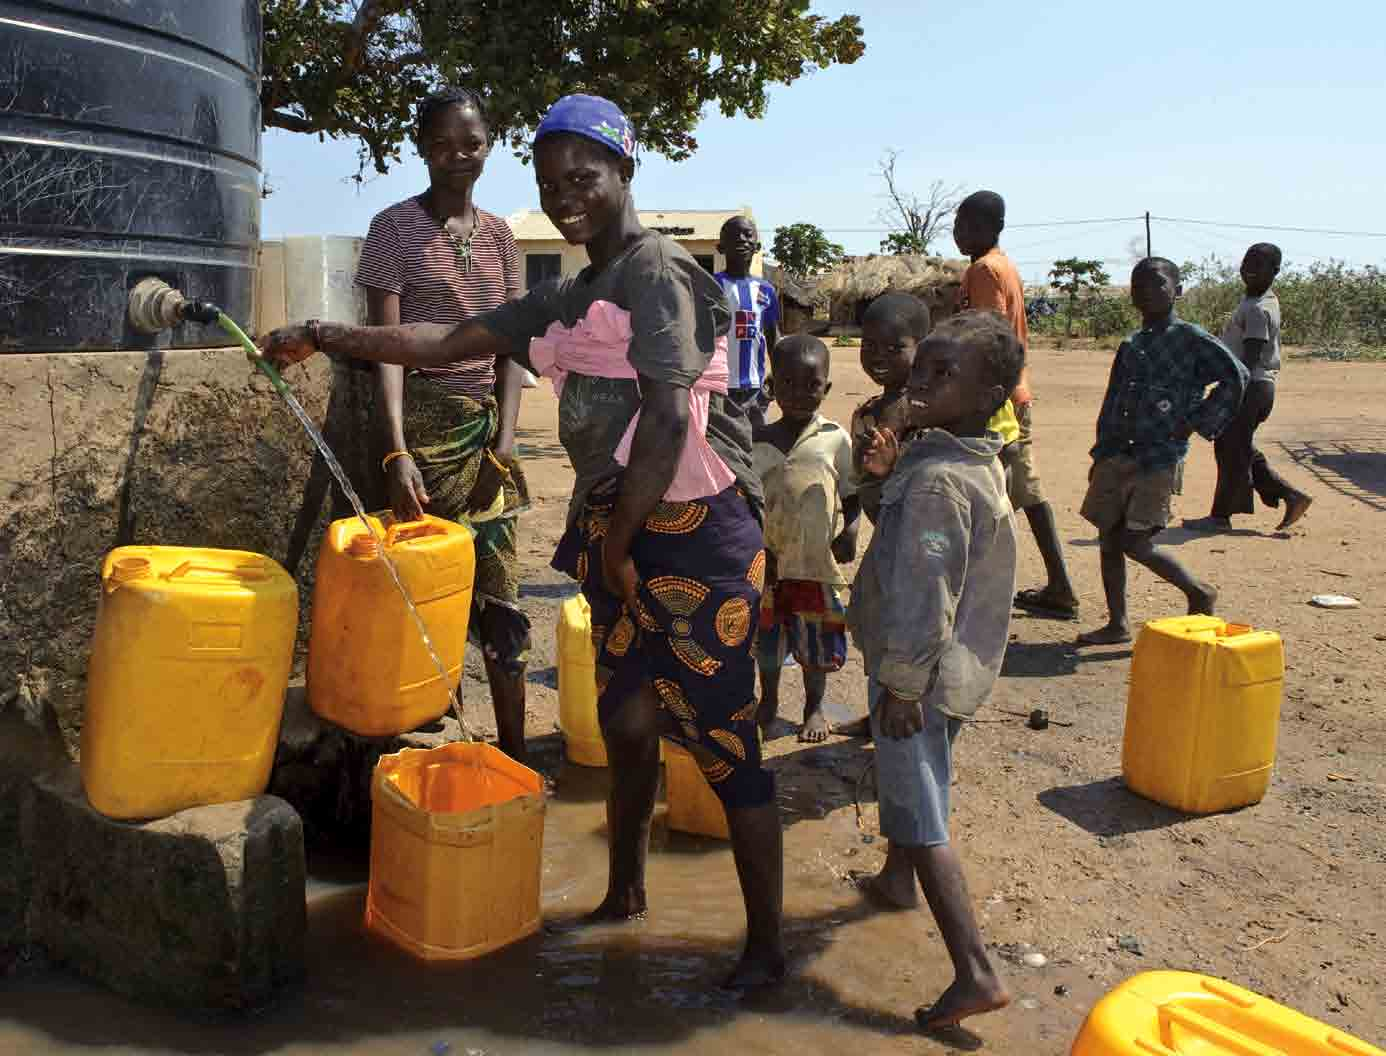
<point x="202" y="909"/>
<point x="30" y="744"/>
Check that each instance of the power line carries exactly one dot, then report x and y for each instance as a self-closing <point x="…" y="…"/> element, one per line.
<point x="1271" y="227"/>
<point x="1131" y="219"/>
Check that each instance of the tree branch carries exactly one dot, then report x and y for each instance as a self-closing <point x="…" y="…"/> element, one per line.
<point x="290" y="122"/>
<point x="368" y="16"/>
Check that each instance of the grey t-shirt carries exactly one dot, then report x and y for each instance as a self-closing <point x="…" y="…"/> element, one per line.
<point x="677" y="312"/>
<point x="1257" y="318"/>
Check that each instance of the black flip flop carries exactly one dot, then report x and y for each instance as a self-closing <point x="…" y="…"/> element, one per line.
<point x="1036" y="602"/>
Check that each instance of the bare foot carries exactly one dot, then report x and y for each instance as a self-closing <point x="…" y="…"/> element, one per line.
<point x="856" y="728"/>
<point x="766" y="714"/>
<point x="960" y="1001"/>
<point x="886" y="892"/>
<point x="1296" y="506"/>
<point x="757" y="969"/>
<point x="616" y="907"/>
<point x="814" y="729"/>
<point x="1203" y="602"/>
<point x="1112" y="634"/>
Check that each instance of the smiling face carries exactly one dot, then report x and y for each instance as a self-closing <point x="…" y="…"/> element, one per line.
<point x="739" y="242"/>
<point x="946" y="388"/>
<point x="887" y="353"/>
<point x="454" y="145"/>
<point x="583" y="186"/>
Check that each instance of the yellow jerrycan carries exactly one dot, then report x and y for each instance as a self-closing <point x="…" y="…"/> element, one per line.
<point x="693" y="806"/>
<point x="457" y="840"/>
<point x="368" y="668"/>
<point x="577" y="685"/>
<point x="1203" y="713"/>
<point x="185" y="687"/>
<point x="1184" y="1014"/>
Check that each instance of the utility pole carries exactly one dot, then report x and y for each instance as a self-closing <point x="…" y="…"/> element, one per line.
<point x="1148" y="252"/>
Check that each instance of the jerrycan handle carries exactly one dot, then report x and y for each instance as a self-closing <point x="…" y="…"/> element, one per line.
<point x="404" y="531"/>
<point x="246" y="573"/>
<point x="1219" y="1035"/>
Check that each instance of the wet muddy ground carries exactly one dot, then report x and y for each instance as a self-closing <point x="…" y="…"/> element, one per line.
<point x="1284" y="897"/>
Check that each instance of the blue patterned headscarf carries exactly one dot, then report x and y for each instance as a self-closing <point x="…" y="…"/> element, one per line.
<point x="592" y="116"/>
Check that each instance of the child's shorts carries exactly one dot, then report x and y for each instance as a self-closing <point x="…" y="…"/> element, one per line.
<point x="913" y="776"/>
<point x="1018" y="458"/>
<point x="1120" y="490"/>
<point x="803" y="618"/>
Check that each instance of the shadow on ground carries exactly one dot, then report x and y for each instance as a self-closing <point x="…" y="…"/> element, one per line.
<point x="1355" y="468"/>
<point x="1054" y="659"/>
<point x="1107" y="808"/>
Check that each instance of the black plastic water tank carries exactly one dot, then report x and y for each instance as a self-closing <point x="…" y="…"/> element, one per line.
<point x="129" y="146"/>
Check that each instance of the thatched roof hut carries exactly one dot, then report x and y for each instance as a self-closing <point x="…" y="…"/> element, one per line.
<point x="856" y="282"/>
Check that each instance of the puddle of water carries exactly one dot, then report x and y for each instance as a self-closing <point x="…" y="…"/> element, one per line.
<point x="645" y="987"/>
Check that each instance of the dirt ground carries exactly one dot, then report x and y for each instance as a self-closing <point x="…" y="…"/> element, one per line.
<point x="1283" y="897"/>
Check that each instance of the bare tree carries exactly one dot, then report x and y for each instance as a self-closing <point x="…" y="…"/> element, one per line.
<point x="913" y="220"/>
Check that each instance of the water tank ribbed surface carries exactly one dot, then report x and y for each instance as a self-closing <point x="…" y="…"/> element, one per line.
<point x="129" y="146"/>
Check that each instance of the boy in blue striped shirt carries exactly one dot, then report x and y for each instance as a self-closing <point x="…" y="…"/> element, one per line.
<point x="755" y="324"/>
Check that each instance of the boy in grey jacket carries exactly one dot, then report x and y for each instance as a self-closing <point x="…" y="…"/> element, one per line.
<point x="931" y="610"/>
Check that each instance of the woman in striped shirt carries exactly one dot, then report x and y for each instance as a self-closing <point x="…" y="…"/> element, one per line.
<point x="450" y="430"/>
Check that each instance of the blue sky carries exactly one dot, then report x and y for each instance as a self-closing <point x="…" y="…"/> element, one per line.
<point x="1216" y="110"/>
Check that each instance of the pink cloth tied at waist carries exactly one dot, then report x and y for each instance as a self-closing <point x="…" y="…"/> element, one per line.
<point x="597" y="346"/>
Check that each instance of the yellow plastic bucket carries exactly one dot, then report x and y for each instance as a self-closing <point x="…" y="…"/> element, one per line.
<point x="457" y="838"/>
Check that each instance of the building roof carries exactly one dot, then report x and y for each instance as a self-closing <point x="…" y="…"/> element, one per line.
<point x="701" y="224"/>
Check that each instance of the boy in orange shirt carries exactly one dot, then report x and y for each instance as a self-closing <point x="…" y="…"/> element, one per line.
<point x="991" y="281"/>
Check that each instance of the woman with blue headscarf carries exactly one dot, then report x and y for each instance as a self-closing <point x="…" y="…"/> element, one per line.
<point x="664" y="524"/>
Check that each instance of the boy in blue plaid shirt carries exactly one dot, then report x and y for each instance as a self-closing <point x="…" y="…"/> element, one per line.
<point x="1157" y="397"/>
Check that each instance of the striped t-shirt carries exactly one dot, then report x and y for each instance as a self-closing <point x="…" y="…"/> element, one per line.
<point x="408" y="253"/>
<point x="755" y="308"/>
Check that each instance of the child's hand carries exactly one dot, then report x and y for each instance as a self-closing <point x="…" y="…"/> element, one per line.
<point x="882" y="451"/>
<point x="900" y="717"/>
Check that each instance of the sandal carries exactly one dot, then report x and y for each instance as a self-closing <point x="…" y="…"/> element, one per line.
<point x="1042" y="604"/>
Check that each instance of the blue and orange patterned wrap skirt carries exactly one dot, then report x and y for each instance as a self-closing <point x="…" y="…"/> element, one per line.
<point x="691" y="635"/>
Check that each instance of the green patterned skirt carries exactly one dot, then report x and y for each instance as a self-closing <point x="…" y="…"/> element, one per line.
<point x="448" y="435"/>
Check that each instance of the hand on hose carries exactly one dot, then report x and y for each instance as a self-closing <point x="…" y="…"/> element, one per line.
<point x="289" y="344"/>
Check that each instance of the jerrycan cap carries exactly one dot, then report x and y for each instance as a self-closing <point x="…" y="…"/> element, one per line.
<point x="364" y="547"/>
<point x="128" y="568"/>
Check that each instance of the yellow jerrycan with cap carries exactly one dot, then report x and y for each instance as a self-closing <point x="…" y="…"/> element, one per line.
<point x="1166" y="1013"/>
<point x="185" y="686"/>
<point x="1203" y="713"/>
<point x="369" y="670"/>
